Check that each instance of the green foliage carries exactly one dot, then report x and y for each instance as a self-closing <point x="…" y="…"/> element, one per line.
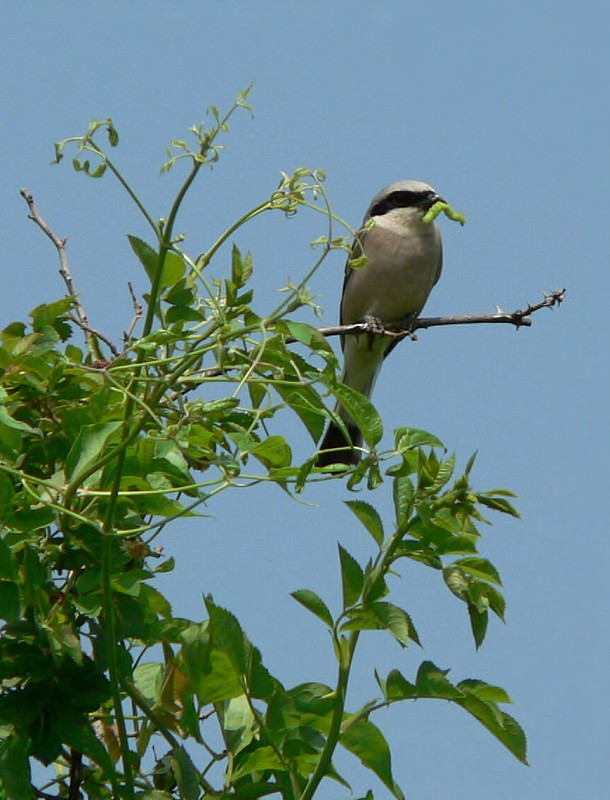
<point x="97" y="456"/>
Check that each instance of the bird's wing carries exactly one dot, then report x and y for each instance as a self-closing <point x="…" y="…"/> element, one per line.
<point x="356" y="252"/>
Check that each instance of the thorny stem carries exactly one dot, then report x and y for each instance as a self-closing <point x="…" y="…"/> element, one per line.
<point x="520" y="318"/>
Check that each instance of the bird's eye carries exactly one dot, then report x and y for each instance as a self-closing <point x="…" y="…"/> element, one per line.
<point x="405" y="199"/>
<point x="400" y="199"/>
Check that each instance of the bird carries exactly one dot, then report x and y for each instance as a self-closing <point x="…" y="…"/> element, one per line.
<point x="404" y="259"/>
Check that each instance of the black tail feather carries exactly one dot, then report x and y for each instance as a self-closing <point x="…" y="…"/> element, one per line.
<point x="340" y="450"/>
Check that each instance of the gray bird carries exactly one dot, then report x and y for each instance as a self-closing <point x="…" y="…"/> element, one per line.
<point x="404" y="261"/>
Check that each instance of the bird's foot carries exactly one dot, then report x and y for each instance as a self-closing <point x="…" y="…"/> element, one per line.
<point x="373" y="325"/>
<point x="374" y="328"/>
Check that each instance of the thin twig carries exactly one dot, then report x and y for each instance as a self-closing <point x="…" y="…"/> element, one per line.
<point x="60" y="245"/>
<point x="64" y="268"/>
<point x="520" y="318"/>
<point x="136" y="317"/>
<point x="93" y="332"/>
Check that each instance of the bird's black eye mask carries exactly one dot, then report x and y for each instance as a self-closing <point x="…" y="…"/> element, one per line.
<point x="403" y="199"/>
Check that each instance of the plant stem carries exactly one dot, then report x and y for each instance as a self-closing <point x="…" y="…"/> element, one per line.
<point x="113" y="667"/>
<point x="332" y="739"/>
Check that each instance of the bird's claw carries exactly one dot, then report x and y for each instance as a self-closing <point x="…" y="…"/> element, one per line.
<point x="373" y="325"/>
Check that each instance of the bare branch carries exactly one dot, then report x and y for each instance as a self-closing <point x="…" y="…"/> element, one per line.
<point x="64" y="268"/>
<point x="93" y="332"/>
<point x="519" y="319"/>
<point x="137" y="314"/>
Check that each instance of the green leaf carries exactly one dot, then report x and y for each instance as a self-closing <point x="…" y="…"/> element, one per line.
<point x="14" y="330"/>
<point x="183" y="314"/>
<point x="444" y="473"/>
<point x="362" y="411"/>
<point x="10" y="605"/>
<point x="479" y="568"/>
<point x="352" y="578"/>
<point x="227" y="635"/>
<point x="456" y="581"/>
<point x="239" y="724"/>
<point x="261" y="684"/>
<point x="8" y="569"/>
<point x="314" y="704"/>
<point x="217" y="681"/>
<point x="257" y="393"/>
<point x="478" y="623"/>
<point x="149" y="258"/>
<point x="79" y="734"/>
<point x="315" y="604"/>
<point x="497" y="503"/>
<point x="470" y="463"/>
<point x="89" y="446"/>
<point x="485" y="691"/>
<point x="369" y="517"/>
<point x="263" y="758"/>
<point x="494" y="599"/>
<point x="404" y="501"/>
<point x="362" y="618"/>
<point x="367" y="743"/>
<point x="31" y="519"/>
<point x="15" y="768"/>
<point x="179" y="296"/>
<point x="10" y="440"/>
<point x="186" y="774"/>
<point x="397" y="687"/>
<point x="173" y="269"/>
<point x="273" y="452"/>
<point x="431" y="682"/>
<point x="241" y="268"/>
<point x="504" y="727"/>
<point x="148" y="679"/>
<point x="53" y="315"/>
<point x="307" y="334"/>
<point x="382" y="616"/>
<point x="10" y="422"/>
<point x="397" y="622"/>
<point x="306" y="403"/>
<point x="374" y="478"/>
<point x="407" y="438"/>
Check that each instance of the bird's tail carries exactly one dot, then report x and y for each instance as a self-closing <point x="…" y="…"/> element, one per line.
<point x="363" y="359"/>
<point x="336" y="448"/>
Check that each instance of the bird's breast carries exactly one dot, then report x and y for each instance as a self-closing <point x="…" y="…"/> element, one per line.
<point x="400" y="272"/>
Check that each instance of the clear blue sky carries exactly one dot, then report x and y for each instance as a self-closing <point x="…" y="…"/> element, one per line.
<point x="504" y="109"/>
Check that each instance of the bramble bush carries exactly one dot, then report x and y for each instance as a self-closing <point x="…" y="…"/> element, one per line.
<point x="102" y="447"/>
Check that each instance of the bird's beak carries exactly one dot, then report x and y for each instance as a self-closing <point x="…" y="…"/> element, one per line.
<point x="430" y="201"/>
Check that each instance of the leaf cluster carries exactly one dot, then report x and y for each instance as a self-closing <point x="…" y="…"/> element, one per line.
<point x="102" y="448"/>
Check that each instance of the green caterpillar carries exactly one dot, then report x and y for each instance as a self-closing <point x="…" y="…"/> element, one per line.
<point x="439" y="206"/>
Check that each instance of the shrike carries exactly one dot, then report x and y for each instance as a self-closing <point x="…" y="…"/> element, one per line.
<point x="404" y="261"/>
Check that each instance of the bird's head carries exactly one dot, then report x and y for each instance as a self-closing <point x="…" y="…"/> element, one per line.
<point x="414" y="198"/>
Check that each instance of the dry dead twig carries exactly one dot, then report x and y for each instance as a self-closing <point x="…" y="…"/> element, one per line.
<point x="64" y="270"/>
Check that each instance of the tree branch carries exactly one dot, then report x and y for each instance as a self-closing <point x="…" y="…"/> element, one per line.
<point x="519" y="318"/>
<point x="93" y="332"/>
<point x="137" y="307"/>
<point x="64" y="270"/>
